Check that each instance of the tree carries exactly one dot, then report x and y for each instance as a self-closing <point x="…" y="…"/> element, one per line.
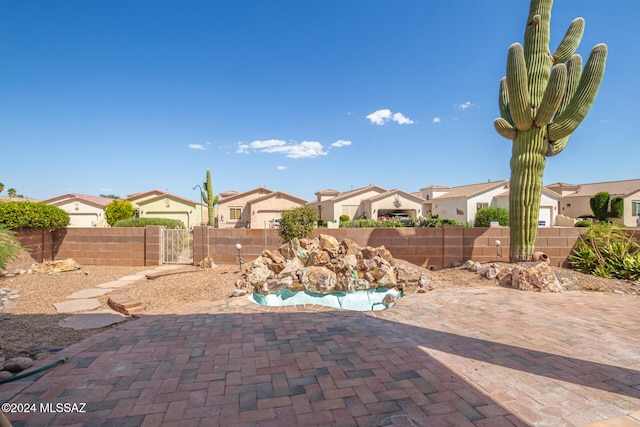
<point x="110" y="196"/>
<point x="209" y="198"/>
<point x="599" y="203"/>
<point x="117" y="210"/>
<point x="299" y="222"/>
<point x="11" y="193"/>
<point x="542" y="101"/>
<point x="1" y="187"/>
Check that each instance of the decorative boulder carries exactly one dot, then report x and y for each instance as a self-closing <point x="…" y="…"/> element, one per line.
<point x="536" y="277"/>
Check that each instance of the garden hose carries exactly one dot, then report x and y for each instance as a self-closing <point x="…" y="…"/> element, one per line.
<point x="44" y="368"/>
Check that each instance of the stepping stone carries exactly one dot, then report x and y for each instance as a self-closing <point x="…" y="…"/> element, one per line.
<point x="132" y="278"/>
<point x="89" y="293"/>
<point x="94" y="320"/>
<point x="116" y="284"/>
<point x="76" y="305"/>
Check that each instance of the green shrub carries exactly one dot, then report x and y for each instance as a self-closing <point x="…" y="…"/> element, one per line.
<point x="9" y="247"/>
<point x="322" y="223"/>
<point x="344" y="218"/>
<point x="143" y="222"/>
<point x="607" y="251"/>
<point x="432" y="222"/>
<point x="617" y="208"/>
<point x="583" y="223"/>
<point x="600" y="206"/>
<point x="485" y="216"/>
<point x="117" y="210"/>
<point x="298" y="223"/>
<point x="22" y="216"/>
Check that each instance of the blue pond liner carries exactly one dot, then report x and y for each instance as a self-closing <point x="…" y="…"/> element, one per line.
<point x="357" y="301"/>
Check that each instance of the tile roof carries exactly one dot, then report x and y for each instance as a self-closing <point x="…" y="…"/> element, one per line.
<point x="357" y="191"/>
<point x="472" y="189"/>
<point x="614" y="188"/>
<point x="260" y="190"/>
<point x="276" y="194"/>
<point x="410" y="196"/>
<point x="65" y="198"/>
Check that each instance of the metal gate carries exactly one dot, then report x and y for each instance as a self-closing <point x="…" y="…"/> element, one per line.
<point x="177" y="246"/>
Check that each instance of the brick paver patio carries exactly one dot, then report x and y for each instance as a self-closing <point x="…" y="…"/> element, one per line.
<point x="460" y="357"/>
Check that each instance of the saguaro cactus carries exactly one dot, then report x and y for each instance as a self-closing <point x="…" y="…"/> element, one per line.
<point x="209" y="198"/>
<point x="543" y="99"/>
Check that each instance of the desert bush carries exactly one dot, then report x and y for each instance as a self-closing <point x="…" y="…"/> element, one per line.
<point x="607" y="251"/>
<point x="344" y="218"/>
<point x="22" y="216"/>
<point x="583" y="223"/>
<point x="143" y="222"/>
<point x="118" y="210"/>
<point x="10" y="247"/>
<point x="298" y="223"/>
<point x="485" y="216"/>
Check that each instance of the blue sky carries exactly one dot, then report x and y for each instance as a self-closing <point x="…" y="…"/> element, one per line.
<point x="127" y="96"/>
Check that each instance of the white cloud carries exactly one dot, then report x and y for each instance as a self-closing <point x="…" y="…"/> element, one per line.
<point x="291" y="150"/>
<point x="341" y="143"/>
<point x="281" y="168"/>
<point x="380" y="117"/>
<point x="196" y="146"/>
<point x="267" y="143"/>
<point x="401" y="119"/>
<point x="466" y="105"/>
<point x="436" y="120"/>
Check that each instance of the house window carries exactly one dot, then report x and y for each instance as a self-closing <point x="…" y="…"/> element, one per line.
<point x="235" y="213"/>
<point x="481" y="205"/>
<point x="635" y="208"/>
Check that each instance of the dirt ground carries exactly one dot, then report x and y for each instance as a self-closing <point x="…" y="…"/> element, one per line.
<point x="32" y="324"/>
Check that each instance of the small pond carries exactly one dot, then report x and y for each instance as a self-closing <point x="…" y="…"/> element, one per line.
<point x="356" y="301"/>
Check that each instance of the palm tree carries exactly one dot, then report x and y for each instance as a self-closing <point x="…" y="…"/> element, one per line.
<point x="11" y="192"/>
<point x="1" y="187"/>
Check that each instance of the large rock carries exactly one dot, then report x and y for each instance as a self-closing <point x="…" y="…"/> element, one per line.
<point x="536" y="277"/>
<point x="17" y="364"/>
<point x="328" y="242"/>
<point x="56" y="266"/>
<point x="318" y="280"/>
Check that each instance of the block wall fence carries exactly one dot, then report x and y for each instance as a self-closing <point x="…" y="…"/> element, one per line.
<point x="434" y="248"/>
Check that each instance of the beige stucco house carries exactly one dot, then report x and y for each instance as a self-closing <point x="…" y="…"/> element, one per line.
<point x="257" y="208"/>
<point x="461" y="203"/>
<point x="368" y="202"/>
<point x="575" y="199"/>
<point x="549" y="199"/>
<point x="83" y="210"/>
<point x="161" y="204"/>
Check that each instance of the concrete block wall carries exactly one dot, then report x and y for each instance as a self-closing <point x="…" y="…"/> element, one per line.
<point x="433" y="248"/>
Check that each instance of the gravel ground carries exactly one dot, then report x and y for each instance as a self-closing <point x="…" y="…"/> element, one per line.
<point x="33" y="322"/>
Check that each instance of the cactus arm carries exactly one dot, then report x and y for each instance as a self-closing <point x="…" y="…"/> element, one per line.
<point x="585" y="94"/>
<point x="536" y="48"/>
<point x="505" y="128"/>
<point x="518" y="88"/>
<point x="570" y="42"/>
<point x="574" y="72"/>
<point x="503" y="101"/>
<point x="556" y="147"/>
<point x="205" y="199"/>
<point x="553" y="95"/>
